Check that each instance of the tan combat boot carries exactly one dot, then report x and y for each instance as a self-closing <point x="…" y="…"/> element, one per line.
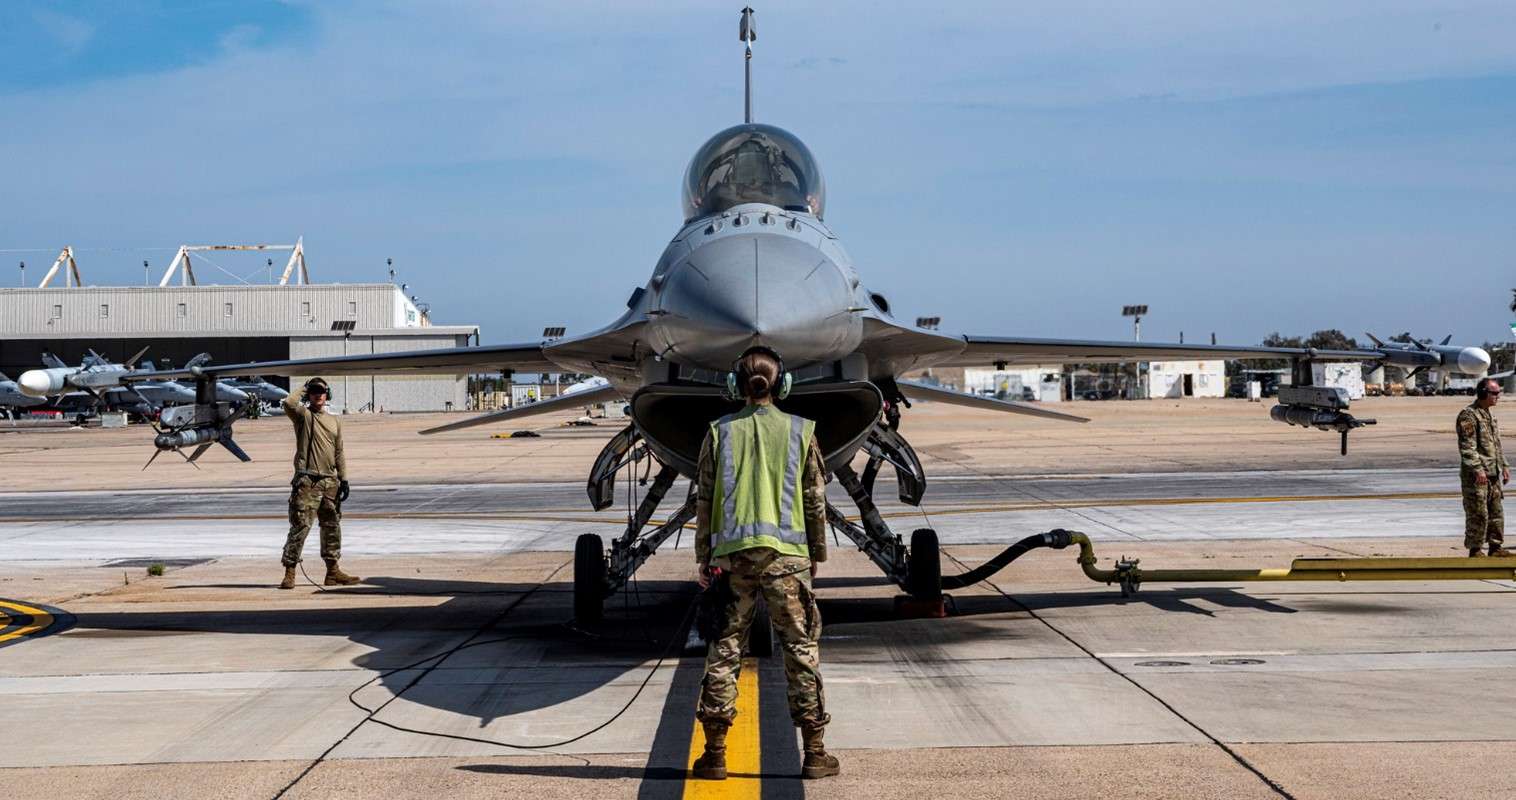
<point x="1500" y="552"/>
<point x="818" y="762"/>
<point x="1476" y="552"/>
<point x="289" y="578"/>
<point x="336" y="577"/>
<point x="711" y="765"/>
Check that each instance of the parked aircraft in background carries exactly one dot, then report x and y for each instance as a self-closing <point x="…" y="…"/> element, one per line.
<point x="12" y="398"/>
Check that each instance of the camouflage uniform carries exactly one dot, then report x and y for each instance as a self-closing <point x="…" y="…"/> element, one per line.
<point x="320" y="467"/>
<point x="1479" y="451"/>
<point x="785" y="582"/>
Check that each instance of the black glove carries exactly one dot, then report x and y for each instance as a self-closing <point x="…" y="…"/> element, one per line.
<point x="342" y="491"/>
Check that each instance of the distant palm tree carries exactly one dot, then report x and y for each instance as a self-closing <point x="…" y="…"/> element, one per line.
<point x="1513" y="301"/>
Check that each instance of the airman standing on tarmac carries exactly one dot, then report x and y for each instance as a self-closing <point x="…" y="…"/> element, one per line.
<point x="1481" y="464"/>
<point x="760" y="525"/>
<point x="320" y="484"/>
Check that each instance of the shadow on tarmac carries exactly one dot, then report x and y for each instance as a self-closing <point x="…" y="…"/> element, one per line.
<point x="542" y="660"/>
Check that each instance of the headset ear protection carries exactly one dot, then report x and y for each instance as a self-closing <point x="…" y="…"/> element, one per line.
<point x="786" y="379"/>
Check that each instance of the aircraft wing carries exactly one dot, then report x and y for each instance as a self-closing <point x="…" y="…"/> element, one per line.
<point x="923" y="391"/>
<point x="599" y="394"/>
<point x="450" y="360"/>
<point x="1016" y="350"/>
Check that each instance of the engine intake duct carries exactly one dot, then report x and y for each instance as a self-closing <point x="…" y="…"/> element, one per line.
<point x="674" y="417"/>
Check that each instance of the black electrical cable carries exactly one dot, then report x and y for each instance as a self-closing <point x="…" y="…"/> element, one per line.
<point x="439" y="657"/>
<point x="668" y="647"/>
<point x="1056" y="539"/>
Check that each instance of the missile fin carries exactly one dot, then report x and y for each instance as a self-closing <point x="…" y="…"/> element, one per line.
<point x="131" y="362"/>
<point x="234" y="448"/>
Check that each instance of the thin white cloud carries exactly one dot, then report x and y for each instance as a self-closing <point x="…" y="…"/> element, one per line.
<point x="69" y="33"/>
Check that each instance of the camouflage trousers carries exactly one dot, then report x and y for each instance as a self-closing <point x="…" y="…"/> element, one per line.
<point x="785" y="582"/>
<point x="1483" y="514"/>
<point x="313" y="499"/>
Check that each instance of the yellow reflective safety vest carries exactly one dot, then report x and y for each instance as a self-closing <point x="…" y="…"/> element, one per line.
<point x="760" y="458"/>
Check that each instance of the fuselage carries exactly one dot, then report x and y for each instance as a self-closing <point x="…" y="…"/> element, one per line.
<point x="754" y="274"/>
<point x="11" y="396"/>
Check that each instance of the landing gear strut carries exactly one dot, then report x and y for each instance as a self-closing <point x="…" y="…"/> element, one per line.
<point x="598" y="574"/>
<point x="917" y="569"/>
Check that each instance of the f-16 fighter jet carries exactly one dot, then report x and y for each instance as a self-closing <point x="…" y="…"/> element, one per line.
<point x="13" y="399"/>
<point x="753" y="262"/>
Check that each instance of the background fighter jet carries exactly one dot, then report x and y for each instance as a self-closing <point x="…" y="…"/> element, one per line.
<point x="753" y="262"/>
<point x="228" y="390"/>
<point x="12" y="398"/>
<point x="259" y="389"/>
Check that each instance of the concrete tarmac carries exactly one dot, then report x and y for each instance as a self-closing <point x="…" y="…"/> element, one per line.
<point x="484" y="518"/>
<point x="456" y="669"/>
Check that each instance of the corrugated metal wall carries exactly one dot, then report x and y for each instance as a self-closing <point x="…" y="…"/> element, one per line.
<point x="387" y="392"/>
<point x="33" y="313"/>
<point x="212" y="318"/>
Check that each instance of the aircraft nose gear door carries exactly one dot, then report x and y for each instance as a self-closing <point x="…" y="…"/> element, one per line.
<point x="602" y="482"/>
<point x="885" y="444"/>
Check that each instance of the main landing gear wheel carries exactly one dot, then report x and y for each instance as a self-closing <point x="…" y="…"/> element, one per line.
<point x="924" y="575"/>
<point x="589" y="579"/>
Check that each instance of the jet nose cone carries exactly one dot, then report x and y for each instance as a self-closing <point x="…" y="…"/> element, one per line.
<point x="1473" y="361"/>
<point x="35" y="382"/>
<point x="733" y="292"/>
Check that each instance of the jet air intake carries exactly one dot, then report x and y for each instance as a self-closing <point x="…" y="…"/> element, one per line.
<point x="674" y="417"/>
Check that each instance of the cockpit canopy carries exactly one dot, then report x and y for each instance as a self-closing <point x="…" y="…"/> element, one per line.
<point x="753" y="164"/>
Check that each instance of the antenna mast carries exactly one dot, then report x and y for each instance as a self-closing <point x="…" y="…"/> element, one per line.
<point x="747" y="33"/>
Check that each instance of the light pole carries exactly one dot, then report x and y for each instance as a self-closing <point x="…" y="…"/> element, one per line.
<point x="1136" y="313"/>
<point x="23" y="276"/>
<point x="146" y="281"/>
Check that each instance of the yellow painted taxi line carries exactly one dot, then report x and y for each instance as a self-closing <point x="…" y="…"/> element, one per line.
<point x="743" y="757"/>
<point x="40" y="621"/>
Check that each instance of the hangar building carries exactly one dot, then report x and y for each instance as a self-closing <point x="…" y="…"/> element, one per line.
<point x="235" y="323"/>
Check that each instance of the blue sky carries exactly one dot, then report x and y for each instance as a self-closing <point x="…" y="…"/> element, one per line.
<point x="1023" y="170"/>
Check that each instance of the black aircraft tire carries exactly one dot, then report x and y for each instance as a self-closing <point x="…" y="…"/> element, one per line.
<point x="760" y="635"/>
<point x="589" y="578"/>
<point x="924" y="565"/>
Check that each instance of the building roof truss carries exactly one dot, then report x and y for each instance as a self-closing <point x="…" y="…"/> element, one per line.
<point x="184" y="265"/>
<point x="68" y="265"/>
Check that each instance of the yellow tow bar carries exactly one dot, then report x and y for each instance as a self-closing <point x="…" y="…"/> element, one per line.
<point x="1130" y="576"/>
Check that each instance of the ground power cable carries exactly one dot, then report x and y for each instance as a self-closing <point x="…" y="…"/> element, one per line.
<point x="493" y="621"/>
<point x="674" y="638"/>
<point x="436" y="660"/>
